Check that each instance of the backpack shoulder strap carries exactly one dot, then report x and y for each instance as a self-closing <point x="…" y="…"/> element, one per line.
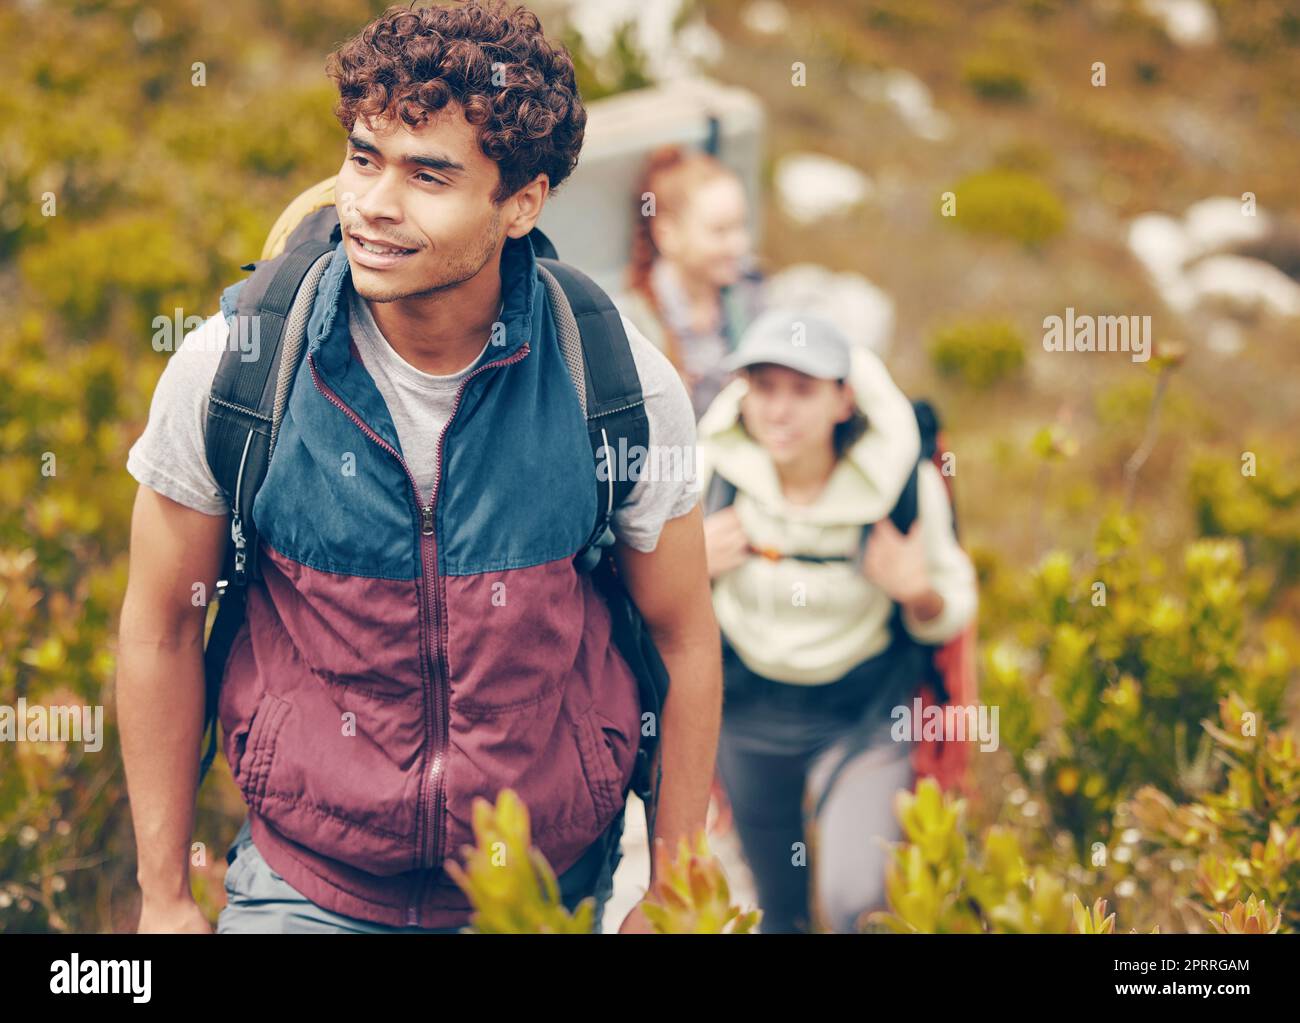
<point x="719" y="494"/>
<point x="250" y="386"/>
<point x="599" y="359"/>
<point x="245" y="407"/>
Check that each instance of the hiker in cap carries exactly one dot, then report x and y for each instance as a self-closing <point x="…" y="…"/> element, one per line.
<point x="693" y="282"/>
<point x="822" y="602"/>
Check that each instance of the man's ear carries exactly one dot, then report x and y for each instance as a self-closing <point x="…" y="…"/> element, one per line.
<point x="525" y="206"/>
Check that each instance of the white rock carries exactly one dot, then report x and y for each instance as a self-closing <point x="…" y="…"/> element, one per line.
<point x="1186" y="22"/>
<point x="909" y="97"/>
<point x="1160" y="243"/>
<point x="1245" y="283"/>
<point x="810" y="186"/>
<point x="766" y="17"/>
<point x="670" y="50"/>
<point x="1218" y="223"/>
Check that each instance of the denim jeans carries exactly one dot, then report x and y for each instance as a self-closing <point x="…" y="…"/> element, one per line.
<point x="260" y="901"/>
<point x="814" y="768"/>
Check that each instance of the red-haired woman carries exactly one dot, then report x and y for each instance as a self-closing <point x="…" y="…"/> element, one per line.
<point x="693" y="285"/>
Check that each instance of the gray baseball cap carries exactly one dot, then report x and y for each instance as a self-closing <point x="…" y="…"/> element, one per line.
<point x="802" y="341"/>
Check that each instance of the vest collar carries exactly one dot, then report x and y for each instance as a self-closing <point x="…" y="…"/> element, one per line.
<point x="329" y="339"/>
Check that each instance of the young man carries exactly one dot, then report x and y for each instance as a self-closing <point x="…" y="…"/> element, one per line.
<point x="421" y="636"/>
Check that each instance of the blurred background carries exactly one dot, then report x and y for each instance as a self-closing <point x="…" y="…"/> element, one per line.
<point x="1117" y="157"/>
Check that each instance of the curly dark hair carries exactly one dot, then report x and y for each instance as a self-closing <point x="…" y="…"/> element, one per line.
<point x="514" y="85"/>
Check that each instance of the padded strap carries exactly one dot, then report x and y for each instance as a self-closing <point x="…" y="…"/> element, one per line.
<point x="720" y="493"/>
<point x="243" y="402"/>
<point x="600" y="362"/>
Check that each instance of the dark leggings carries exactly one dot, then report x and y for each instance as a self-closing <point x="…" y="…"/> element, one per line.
<point x="834" y="861"/>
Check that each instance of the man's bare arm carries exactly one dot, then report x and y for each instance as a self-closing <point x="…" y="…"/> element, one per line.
<point x="671" y="588"/>
<point x="160" y="694"/>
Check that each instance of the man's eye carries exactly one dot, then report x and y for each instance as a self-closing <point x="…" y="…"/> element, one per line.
<point x="358" y="159"/>
<point x="429" y="179"/>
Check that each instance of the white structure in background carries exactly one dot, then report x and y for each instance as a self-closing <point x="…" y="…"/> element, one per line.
<point x="910" y="98"/>
<point x="591" y="216"/>
<point x="863" y="311"/>
<point x="1189" y="264"/>
<point x="1187" y="22"/>
<point x="810" y="186"/>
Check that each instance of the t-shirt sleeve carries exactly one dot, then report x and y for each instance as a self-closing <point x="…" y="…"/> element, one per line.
<point x="170" y="457"/>
<point x="669" y="485"/>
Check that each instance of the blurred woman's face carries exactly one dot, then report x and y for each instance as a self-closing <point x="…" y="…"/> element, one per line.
<point x="709" y="239"/>
<point x="792" y="415"/>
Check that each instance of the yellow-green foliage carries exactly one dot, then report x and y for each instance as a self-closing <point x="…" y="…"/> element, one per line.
<point x="1244" y="835"/>
<point x="1114" y="667"/>
<point x="690" y="894"/>
<point x="1253" y="495"/>
<point x="1249" y="917"/>
<point x="510" y="884"/>
<point x="995" y="76"/>
<point x="64" y="513"/>
<point x="979" y="353"/>
<point x="1008" y="204"/>
<point x="514" y="890"/>
<point x="936" y="884"/>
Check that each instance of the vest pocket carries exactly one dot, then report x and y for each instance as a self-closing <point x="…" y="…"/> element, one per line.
<point x="259" y="748"/>
<point x="599" y="766"/>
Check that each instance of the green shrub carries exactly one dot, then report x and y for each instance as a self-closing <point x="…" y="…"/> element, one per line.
<point x="935" y="883"/>
<point x="1113" y="667"/>
<point x="1255" y="497"/>
<point x="996" y="76"/>
<point x="979" y="353"/>
<point x="1244" y="835"/>
<point x="1008" y="204"/>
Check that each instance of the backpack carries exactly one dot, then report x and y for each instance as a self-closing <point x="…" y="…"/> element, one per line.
<point x="948" y="670"/>
<point x="248" y="399"/>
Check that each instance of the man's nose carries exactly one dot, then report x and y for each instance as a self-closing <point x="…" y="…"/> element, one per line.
<point x="379" y="201"/>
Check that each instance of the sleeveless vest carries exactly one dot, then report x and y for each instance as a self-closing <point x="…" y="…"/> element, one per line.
<point x="403" y="656"/>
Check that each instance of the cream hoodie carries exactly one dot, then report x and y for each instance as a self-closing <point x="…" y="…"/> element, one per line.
<point x="808" y="623"/>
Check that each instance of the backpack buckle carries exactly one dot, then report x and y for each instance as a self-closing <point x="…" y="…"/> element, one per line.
<point x="589" y="557"/>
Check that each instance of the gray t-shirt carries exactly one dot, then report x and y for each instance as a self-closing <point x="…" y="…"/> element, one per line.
<point x="171" y="455"/>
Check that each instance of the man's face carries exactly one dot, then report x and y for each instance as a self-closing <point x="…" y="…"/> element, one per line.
<point x="425" y="192"/>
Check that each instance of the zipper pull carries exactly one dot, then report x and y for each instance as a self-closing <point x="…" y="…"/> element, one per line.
<point x="237" y="535"/>
<point x="427" y="514"/>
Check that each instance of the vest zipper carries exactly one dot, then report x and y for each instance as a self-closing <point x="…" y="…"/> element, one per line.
<point x="431" y="796"/>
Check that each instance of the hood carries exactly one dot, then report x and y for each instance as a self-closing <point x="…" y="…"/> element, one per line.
<point x="867" y="481"/>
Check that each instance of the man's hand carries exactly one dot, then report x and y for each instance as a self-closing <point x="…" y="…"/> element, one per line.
<point x="635" y="922"/>
<point x="175" y="916"/>
<point x="725" y="543"/>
